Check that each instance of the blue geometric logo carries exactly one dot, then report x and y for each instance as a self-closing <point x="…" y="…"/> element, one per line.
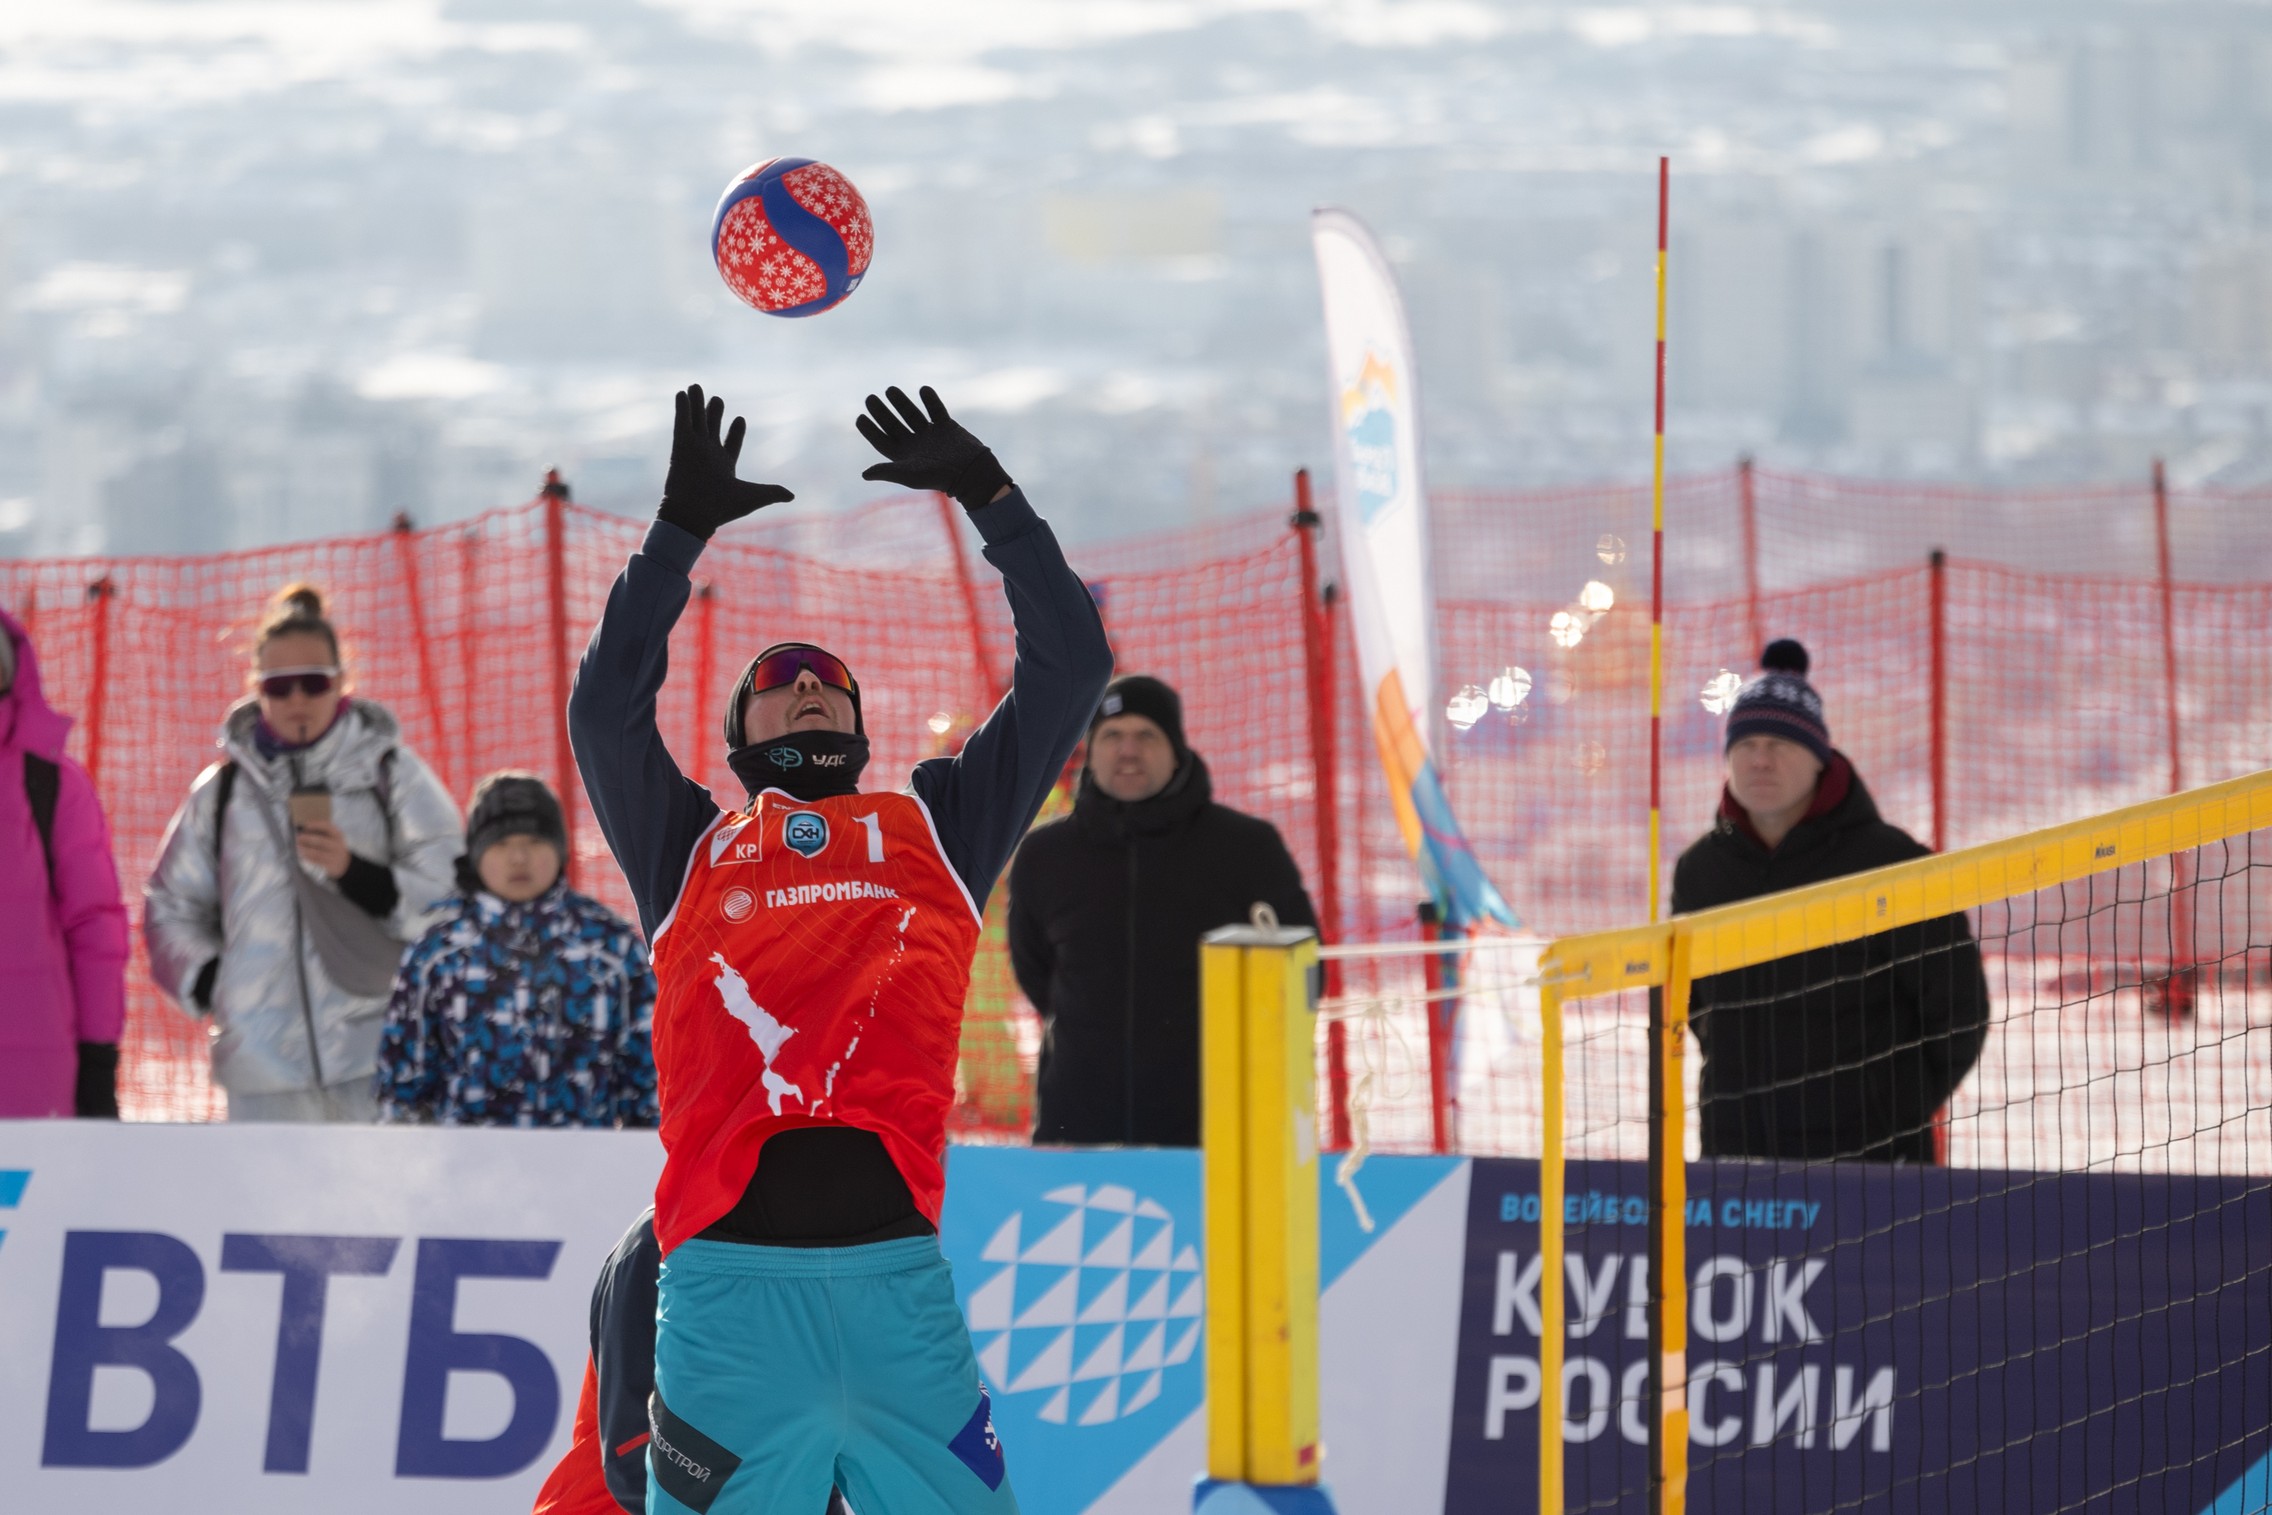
<point x="806" y="832"/>
<point x="1087" y="1299"/>
<point x="1081" y="1281"/>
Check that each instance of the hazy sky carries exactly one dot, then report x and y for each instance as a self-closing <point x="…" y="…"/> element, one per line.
<point x="210" y="208"/>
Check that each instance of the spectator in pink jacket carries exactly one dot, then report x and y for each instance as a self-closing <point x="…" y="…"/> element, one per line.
<point x="62" y="926"/>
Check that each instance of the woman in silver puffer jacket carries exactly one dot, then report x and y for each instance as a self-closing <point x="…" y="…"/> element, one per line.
<point x="292" y="876"/>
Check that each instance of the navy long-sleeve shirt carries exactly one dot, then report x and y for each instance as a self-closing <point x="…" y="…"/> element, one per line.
<point x="982" y="799"/>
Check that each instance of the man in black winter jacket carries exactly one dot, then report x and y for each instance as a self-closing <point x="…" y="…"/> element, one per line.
<point x="1107" y="907"/>
<point x="1847" y="1051"/>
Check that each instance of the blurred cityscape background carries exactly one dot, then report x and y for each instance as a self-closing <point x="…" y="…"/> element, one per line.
<point x="279" y="271"/>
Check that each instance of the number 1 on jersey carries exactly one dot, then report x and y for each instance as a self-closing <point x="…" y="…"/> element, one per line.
<point x="875" y="835"/>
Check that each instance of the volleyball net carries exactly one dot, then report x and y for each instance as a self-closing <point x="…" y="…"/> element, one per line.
<point x="2075" y="1311"/>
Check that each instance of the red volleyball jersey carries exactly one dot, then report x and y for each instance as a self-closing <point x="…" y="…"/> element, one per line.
<point x="812" y="973"/>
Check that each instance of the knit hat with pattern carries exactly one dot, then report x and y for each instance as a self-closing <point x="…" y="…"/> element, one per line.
<point x="1780" y="702"/>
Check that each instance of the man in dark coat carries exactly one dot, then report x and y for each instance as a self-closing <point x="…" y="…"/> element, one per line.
<point x="1107" y="907"/>
<point x="1847" y="1051"/>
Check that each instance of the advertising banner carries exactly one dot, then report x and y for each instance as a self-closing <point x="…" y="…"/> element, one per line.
<point x="270" y="1318"/>
<point x="1383" y="526"/>
<point x="276" y="1318"/>
<point x="1882" y="1337"/>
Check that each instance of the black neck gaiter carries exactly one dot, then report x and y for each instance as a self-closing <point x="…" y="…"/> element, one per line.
<point x="810" y="765"/>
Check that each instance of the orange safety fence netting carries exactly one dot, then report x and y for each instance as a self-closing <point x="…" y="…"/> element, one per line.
<point x="2051" y="677"/>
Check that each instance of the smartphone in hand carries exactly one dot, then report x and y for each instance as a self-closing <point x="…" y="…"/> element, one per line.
<point x="310" y="805"/>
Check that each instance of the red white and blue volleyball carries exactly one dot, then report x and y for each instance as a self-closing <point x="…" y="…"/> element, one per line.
<point x="792" y="237"/>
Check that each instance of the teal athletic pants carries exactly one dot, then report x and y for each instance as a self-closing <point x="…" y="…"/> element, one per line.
<point x="780" y="1371"/>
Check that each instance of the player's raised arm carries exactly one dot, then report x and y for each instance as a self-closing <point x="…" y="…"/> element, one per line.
<point x="650" y="812"/>
<point x="984" y="798"/>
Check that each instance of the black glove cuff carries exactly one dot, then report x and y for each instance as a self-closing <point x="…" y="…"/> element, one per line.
<point x="982" y="478"/>
<point x="686" y="518"/>
<point x="96" y="1097"/>
<point x="371" y="886"/>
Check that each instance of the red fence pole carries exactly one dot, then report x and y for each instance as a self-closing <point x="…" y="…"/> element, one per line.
<point x="100" y="594"/>
<point x="995" y="688"/>
<point x="1747" y="510"/>
<point x="406" y="558"/>
<point x="469" y="640"/>
<point x="2169" y="625"/>
<point x="2177" y="999"/>
<point x="1938" y="679"/>
<point x="1443" y="1015"/>
<point x="1938" y="573"/>
<point x="704" y="715"/>
<point x="556" y="600"/>
<point x="1317" y="659"/>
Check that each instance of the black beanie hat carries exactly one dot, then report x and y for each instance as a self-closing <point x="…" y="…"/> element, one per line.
<point x="1141" y="694"/>
<point x="1780" y="702"/>
<point x="511" y="803"/>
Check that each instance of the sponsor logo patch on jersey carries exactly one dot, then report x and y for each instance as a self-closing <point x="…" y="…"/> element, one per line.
<point x="730" y="844"/>
<point x="737" y="904"/>
<point x="805" y="831"/>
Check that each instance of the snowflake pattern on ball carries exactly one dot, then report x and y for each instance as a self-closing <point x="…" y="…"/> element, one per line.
<point x="830" y="196"/>
<point x="1092" y="1311"/>
<point x="760" y="268"/>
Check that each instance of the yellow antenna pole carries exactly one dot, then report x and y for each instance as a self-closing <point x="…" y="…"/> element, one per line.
<point x="1657" y="562"/>
<point x="1668" y="1015"/>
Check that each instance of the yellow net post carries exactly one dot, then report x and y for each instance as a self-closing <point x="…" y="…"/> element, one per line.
<point x="1259" y="1127"/>
<point x="1550" y="1267"/>
<point x="1669" y="1135"/>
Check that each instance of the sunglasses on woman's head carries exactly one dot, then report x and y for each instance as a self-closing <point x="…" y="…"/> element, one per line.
<point x="279" y="683"/>
<point x="779" y="670"/>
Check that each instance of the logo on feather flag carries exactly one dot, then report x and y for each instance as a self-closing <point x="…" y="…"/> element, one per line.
<point x="1368" y="423"/>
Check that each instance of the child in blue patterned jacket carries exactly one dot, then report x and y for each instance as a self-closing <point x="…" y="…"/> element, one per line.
<point x="526" y="1003"/>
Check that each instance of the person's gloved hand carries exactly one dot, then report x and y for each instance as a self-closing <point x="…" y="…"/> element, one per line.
<point x="930" y="451"/>
<point x="96" y="1096"/>
<point x="700" y="493"/>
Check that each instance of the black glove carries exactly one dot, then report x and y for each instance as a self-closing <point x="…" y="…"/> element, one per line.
<point x="929" y="451"/>
<point x="201" y="992"/>
<point x="700" y="493"/>
<point x="97" y="1095"/>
